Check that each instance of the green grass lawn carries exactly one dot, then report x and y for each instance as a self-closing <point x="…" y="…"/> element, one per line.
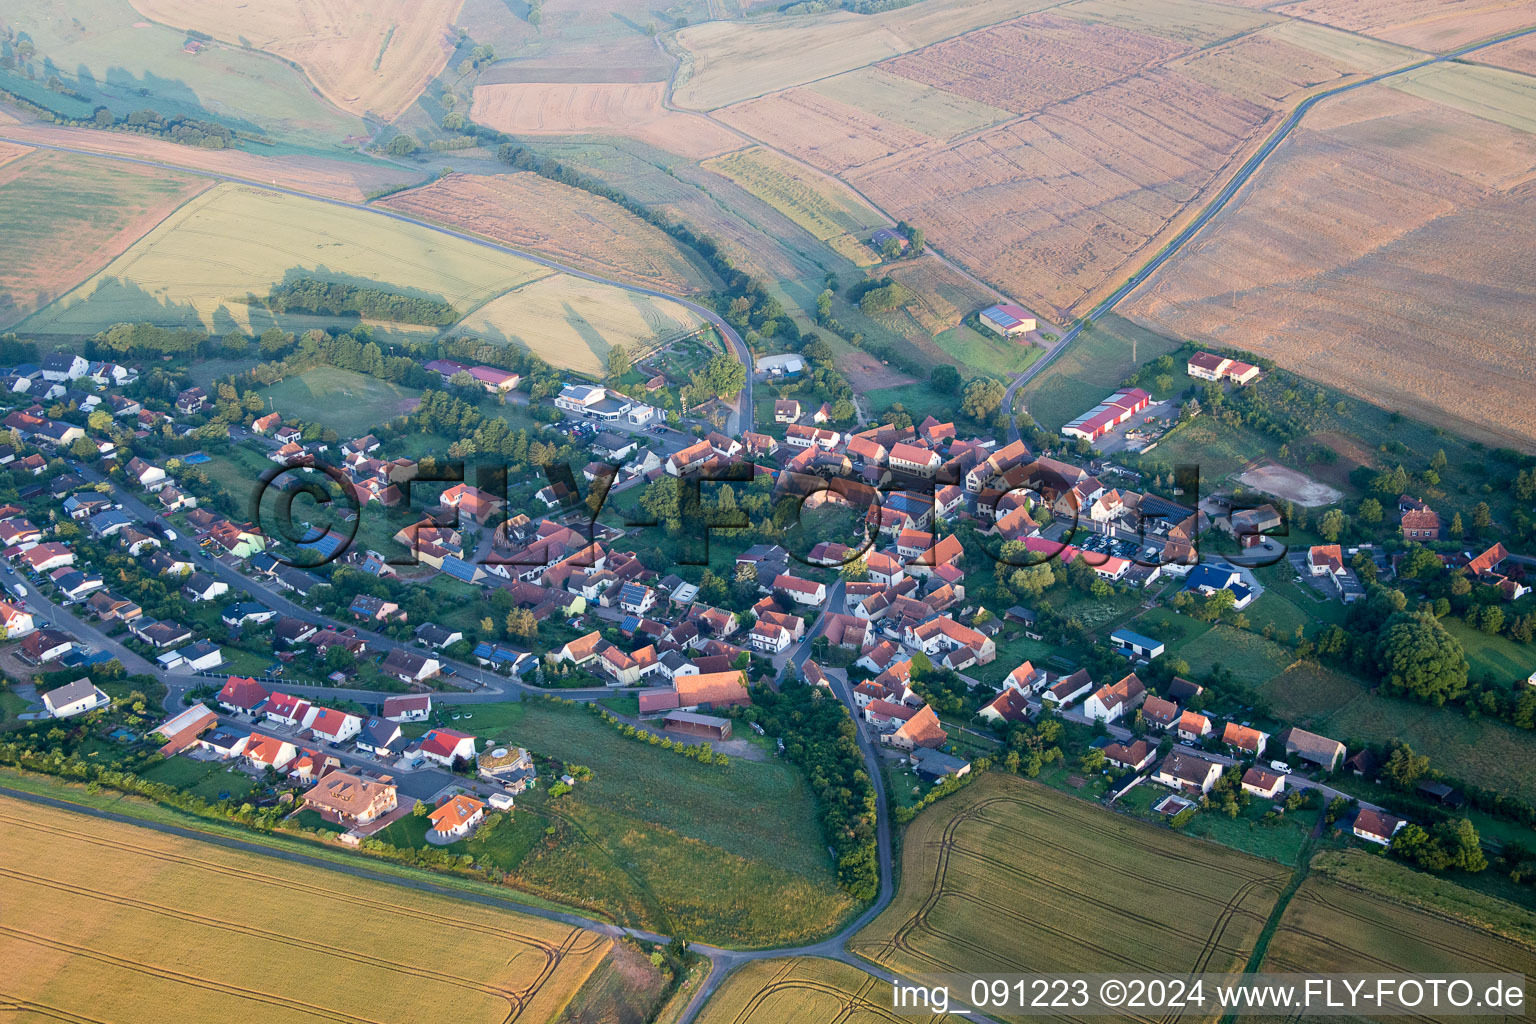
<point x="1280" y="840"/>
<point x="1176" y="631"/>
<point x="1091" y="368"/>
<point x="622" y="705"/>
<point x="1495" y="658"/>
<point x="919" y="399"/>
<point x="350" y="403"/>
<point x="727" y="854"/>
<point x="986" y="354"/>
<point x="10" y="705"/>
<point x="1481" y="751"/>
<point x="207" y="779"/>
<point x="1219" y="450"/>
<point x="1252" y="659"/>
<point x="1013" y="648"/>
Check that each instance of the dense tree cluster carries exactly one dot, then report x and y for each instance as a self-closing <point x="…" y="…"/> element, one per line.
<point x="331" y="298"/>
<point x="819" y="736"/>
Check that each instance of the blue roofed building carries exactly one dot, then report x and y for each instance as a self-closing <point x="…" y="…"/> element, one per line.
<point x="462" y="570"/>
<point x="1207" y="579"/>
<point x="1134" y="645"/>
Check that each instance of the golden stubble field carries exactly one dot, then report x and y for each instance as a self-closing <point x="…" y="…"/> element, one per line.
<point x="200" y="265"/>
<point x="371" y="57"/>
<point x="1012" y="877"/>
<point x="807" y="990"/>
<point x="527" y="211"/>
<point x="1384" y="247"/>
<point x="112" y="921"/>
<point x="632" y="109"/>
<point x="1436" y="25"/>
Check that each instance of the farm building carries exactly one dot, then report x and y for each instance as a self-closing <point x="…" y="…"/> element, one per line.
<point x="1207" y="366"/>
<point x="708" y="726"/>
<point x="1006" y="319"/>
<point x="1108" y="414"/>
<point x="780" y="365"/>
<point x="1309" y="746"/>
<point x="1135" y="645"/>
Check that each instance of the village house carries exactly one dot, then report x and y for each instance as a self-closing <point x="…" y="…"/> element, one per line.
<point x="455" y="818"/>
<point x="76" y="698"/>
<point x="1133" y="756"/>
<point x="352" y="800"/>
<point x="1110" y="702"/>
<point x="1188" y="772"/>
<point x="1376" y="826"/>
<point x="416" y="707"/>
<point x="1243" y="741"/>
<point x="445" y="746"/>
<point x="1263" y="783"/>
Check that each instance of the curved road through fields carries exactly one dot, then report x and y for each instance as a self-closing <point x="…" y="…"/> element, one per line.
<point x="1217" y="204"/>
<point x="742" y="417"/>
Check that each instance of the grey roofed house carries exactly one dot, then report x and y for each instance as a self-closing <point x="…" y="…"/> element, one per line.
<point x="381" y="736"/>
<point x="404" y="664"/>
<point x="292" y="631"/>
<point x="1309" y="746"/>
<point x="160" y="634"/>
<point x="296" y="580"/>
<point x="934" y="765"/>
<point x="1182" y="689"/>
<point x="69" y="693"/>
<point x="433" y="635"/>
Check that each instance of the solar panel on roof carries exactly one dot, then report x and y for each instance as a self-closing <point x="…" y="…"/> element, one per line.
<point x="459" y="569"/>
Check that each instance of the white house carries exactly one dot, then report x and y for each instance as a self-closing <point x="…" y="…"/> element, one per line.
<point x="416" y="707"/>
<point x="333" y="726"/>
<point x="1110" y="703"/>
<point x="74" y="698"/>
<point x="445" y="746"/>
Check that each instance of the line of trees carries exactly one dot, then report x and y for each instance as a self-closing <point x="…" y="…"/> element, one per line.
<point x="818" y="736"/>
<point x="330" y="298"/>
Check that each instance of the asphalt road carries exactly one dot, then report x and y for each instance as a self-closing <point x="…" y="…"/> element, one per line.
<point x="1217" y="204"/>
<point x="742" y="417"/>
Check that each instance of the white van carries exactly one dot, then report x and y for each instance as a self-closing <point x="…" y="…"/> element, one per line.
<point x="1281" y="767"/>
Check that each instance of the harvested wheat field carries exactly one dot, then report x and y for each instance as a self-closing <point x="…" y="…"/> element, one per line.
<point x="807" y="990"/>
<point x="1055" y="206"/>
<point x="201" y="264"/>
<point x="822" y="206"/>
<point x="932" y="112"/>
<point x="726" y="62"/>
<point x="1436" y="25"/>
<point x="1384" y="248"/>
<point x="572" y="323"/>
<point x="1134" y="116"/>
<point x="1516" y="55"/>
<point x="368" y="58"/>
<point x="63" y="217"/>
<point x="527" y="211"/>
<point x="1067" y="56"/>
<point x="12" y="151"/>
<point x="1362" y="913"/>
<point x="352" y="181"/>
<point x="826" y="133"/>
<point x="631" y="109"/>
<point x="990" y="860"/>
<point x="112" y="921"/>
